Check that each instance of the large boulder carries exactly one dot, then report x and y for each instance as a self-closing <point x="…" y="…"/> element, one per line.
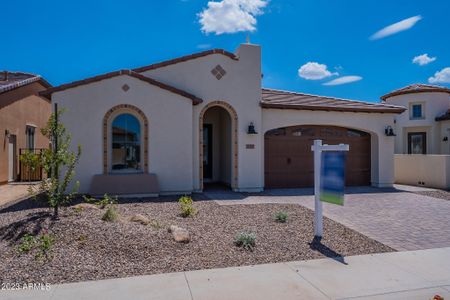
<point x="179" y="234"/>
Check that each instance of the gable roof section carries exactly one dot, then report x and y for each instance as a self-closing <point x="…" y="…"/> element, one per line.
<point x="186" y="58"/>
<point x="293" y="100"/>
<point x="416" y="88"/>
<point x="13" y="80"/>
<point x="47" y="93"/>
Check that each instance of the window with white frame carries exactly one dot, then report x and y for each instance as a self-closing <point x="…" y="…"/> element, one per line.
<point x="29" y="134"/>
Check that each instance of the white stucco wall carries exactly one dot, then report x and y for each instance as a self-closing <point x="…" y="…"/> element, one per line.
<point x="382" y="162"/>
<point x="241" y="88"/>
<point x="170" y="128"/>
<point x="434" y="105"/>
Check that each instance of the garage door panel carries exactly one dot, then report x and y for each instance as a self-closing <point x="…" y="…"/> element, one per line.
<point x="289" y="159"/>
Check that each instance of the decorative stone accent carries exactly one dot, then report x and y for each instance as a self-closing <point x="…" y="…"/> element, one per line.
<point x="179" y="234"/>
<point x="218" y="72"/>
<point x="125" y="87"/>
<point x="138" y="218"/>
<point x="138" y="113"/>
<point x="234" y="139"/>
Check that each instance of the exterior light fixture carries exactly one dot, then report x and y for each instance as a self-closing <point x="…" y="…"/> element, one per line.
<point x="251" y="129"/>
<point x="388" y="131"/>
<point x="445" y="139"/>
<point x="7" y="133"/>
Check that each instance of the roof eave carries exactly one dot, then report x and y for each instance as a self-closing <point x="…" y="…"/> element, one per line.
<point x="329" y="108"/>
<point x="47" y="93"/>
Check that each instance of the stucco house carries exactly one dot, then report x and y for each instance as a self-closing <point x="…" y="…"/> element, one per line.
<point x="422" y="144"/>
<point x="177" y="125"/>
<point x="424" y="128"/>
<point x="22" y="114"/>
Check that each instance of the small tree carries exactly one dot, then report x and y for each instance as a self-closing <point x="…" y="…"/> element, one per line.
<point x="31" y="161"/>
<point x="59" y="164"/>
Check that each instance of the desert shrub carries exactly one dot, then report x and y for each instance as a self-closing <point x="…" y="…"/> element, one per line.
<point x="45" y="244"/>
<point x="186" y="206"/>
<point x="281" y="217"/>
<point x="27" y="244"/>
<point x="111" y="214"/>
<point x="156" y="224"/>
<point x="103" y="202"/>
<point x="246" y="240"/>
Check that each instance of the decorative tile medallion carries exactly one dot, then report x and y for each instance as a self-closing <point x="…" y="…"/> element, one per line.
<point x="218" y="72"/>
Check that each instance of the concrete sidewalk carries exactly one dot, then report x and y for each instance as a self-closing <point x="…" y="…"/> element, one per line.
<point x="400" y="275"/>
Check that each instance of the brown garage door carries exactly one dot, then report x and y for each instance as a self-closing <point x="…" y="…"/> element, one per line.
<point x="289" y="159"/>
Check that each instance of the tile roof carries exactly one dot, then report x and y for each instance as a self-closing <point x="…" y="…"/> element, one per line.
<point x="293" y="100"/>
<point x="13" y="80"/>
<point x="443" y="117"/>
<point x="416" y="88"/>
<point x="47" y="93"/>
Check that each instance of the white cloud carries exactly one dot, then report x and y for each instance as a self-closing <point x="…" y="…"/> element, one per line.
<point x="343" y="80"/>
<point x="442" y="76"/>
<point x="230" y="16"/>
<point x="423" y="59"/>
<point x="396" y="27"/>
<point x="314" y="71"/>
<point x="203" y="46"/>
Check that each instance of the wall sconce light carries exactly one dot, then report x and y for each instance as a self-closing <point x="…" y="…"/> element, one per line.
<point x="7" y="133"/>
<point x="389" y="131"/>
<point x="251" y="129"/>
<point x="445" y="139"/>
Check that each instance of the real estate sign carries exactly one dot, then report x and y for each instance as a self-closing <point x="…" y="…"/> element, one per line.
<point x="333" y="177"/>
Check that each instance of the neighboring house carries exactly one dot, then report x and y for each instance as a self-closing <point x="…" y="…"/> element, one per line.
<point x="174" y="126"/>
<point x="425" y="126"/>
<point x="422" y="144"/>
<point x="22" y="114"/>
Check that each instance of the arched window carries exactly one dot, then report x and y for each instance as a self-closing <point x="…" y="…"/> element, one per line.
<point x="126" y="143"/>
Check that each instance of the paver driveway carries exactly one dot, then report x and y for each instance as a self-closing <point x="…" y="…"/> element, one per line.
<point x="400" y="219"/>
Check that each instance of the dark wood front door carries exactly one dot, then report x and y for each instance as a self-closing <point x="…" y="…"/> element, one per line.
<point x="207" y="151"/>
<point x="289" y="161"/>
<point x="417" y="143"/>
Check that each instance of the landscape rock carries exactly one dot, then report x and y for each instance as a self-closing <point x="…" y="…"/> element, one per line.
<point x="83" y="206"/>
<point x="179" y="234"/>
<point x="138" y="218"/>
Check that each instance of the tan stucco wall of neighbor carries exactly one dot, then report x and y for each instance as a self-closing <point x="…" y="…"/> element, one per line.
<point x="169" y="123"/>
<point x="18" y="108"/>
<point x="382" y="162"/>
<point x="426" y="170"/>
<point x="434" y="105"/>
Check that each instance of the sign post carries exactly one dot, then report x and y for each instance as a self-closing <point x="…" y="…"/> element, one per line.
<point x="318" y="148"/>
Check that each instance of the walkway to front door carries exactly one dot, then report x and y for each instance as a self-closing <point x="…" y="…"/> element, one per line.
<point x="12" y="193"/>
<point x="395" y="217"/>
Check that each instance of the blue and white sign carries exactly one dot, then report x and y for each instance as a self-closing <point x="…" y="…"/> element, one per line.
<point x="333" y="177"/>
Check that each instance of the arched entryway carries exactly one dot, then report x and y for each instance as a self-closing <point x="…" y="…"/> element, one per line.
<point x="288" y="158"/>
<point x="218" y="145"/>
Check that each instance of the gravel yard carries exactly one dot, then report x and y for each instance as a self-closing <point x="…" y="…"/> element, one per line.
<point x="87" y="248"/>
<point x="441" y="194"/>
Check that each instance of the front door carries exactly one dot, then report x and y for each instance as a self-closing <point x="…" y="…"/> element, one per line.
<point x="12" y="158"/>
<point x="417" y="143"/>
<point x="207" y="152"/>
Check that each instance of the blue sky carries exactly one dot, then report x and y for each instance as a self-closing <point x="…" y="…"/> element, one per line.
<point x="70" y="40"/>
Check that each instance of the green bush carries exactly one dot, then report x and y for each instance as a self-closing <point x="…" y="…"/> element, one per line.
<point x="28" y="242"/>
<point x="186" y="206"/>
<point x="111" y="214"/>
<point x="246" y="240"/>
<point x="281" y="217"/>
<point x="46" y="242"/>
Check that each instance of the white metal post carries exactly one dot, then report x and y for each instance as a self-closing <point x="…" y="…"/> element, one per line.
<point x="318" y="219"/>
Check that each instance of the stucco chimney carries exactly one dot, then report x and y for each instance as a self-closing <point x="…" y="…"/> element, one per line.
<point x="5" y="76"/>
